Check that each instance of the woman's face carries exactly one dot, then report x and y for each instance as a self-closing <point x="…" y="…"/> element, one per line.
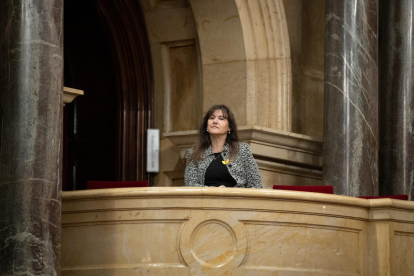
<point x="217" y="124"/>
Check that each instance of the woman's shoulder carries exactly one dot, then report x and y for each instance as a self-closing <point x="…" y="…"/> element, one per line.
<point x="244" y="149"/>
<point x="244" y="146"/>
<point x="189" y="152"/>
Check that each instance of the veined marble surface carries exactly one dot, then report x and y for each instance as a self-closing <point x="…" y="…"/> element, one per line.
<point x="215" y="231"/>
<point x="31" y="86"/>
<point x="397" y="98"/>
<point x="351" y="139"/>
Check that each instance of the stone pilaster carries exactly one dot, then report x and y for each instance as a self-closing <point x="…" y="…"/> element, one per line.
<point x="31" y="74"/>
<point x="351" y="97"/>
<point x="396" y="98"/>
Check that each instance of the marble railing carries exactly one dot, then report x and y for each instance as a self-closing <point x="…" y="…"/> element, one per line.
<point x="214" y="231"/>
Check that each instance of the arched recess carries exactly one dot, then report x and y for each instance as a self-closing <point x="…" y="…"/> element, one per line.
<point x="246" y="59"/>
<point x="125" y="24"/>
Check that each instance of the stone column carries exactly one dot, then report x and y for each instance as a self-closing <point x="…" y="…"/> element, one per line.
<point x="31" y="74"/>
<point x="396" y="98"/>
<point x="351" y="97"/>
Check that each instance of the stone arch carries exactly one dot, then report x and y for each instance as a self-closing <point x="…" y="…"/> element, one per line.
<point x="246" y="54"/>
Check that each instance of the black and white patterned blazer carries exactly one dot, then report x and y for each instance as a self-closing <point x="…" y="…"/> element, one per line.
<point x="243" y="168"/>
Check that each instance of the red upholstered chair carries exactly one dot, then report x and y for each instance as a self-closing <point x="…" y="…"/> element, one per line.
<point x="314" y="189"/>
<point x="115" y="184"/>
<point x="400" y="197"/>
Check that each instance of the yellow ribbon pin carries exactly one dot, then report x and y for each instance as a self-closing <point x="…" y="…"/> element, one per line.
<point x="225" y="162"/>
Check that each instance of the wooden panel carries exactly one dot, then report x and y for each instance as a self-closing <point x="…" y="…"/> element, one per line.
<point x="132" y="62"/>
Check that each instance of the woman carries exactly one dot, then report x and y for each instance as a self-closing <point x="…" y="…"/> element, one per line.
<point x="218" y="159"/>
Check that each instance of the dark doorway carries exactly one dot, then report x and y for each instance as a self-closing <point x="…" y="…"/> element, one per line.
<point x="90" y="121"/>
<point x="107" y="55"/>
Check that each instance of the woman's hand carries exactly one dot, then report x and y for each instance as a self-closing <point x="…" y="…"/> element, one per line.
<point x="222" y="186"/>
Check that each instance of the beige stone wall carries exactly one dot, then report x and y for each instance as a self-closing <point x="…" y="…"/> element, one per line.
<point x="257" y="57"/>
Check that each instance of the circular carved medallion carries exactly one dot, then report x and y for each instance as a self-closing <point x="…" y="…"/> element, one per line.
<point x="213" y="243"/>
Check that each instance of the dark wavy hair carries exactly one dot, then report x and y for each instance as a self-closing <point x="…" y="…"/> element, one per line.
<point x="204" y="137"/>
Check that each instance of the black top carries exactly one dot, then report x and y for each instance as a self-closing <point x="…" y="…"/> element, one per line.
<point x="217" y="173"/>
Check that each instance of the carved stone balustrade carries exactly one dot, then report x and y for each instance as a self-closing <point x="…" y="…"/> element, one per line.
<point x="215" y="231"/>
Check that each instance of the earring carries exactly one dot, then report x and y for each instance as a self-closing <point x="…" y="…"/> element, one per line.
<point x="207" y="129"/>
<point x="228" y="132"/>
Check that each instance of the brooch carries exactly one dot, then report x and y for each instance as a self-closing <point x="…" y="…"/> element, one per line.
<point x="225" y="162"/>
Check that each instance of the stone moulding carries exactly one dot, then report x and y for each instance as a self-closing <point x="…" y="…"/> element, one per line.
<point x="211" y="231"/>
<point x="299" y="142"/>
<point x="274" y="150"/>
<point x="196" y="192"/>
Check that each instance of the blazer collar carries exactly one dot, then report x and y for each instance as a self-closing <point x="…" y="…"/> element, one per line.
<point x="209" y="151"/>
